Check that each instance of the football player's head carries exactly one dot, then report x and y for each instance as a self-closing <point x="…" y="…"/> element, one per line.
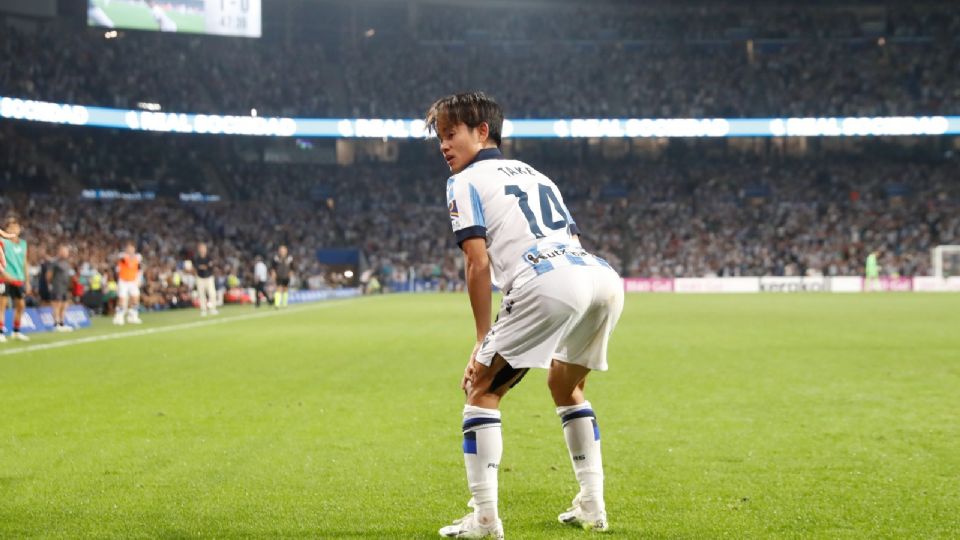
<point x="465" y="124"/>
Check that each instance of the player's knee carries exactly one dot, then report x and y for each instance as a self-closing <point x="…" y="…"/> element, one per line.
<point x="564" y="389"/>
<point x="479" y="395"/>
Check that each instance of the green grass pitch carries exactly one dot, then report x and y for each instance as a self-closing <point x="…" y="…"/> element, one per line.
<point x="136" y="15"/>
<point x="755" y="416"/>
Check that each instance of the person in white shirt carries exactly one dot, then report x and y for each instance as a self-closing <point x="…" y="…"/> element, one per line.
<point x="560" y="305"/>
<point x="260" y="276"/>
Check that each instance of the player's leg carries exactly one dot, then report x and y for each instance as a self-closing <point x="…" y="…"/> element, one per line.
<point x="63" y="315"/>
<point x="133" y="305"/>
<point x="584" y="349"/>
<point x="3" y="313"/>
<point x="483" y="448"/>
<point x="57" y="313"/>
<point x="201" y="297"/>
<point x="123" y="293"/>
<point x="19" y="306"/>
<point x="277" y="295"/>
<point x="216" y="296"/>
<point x="582" y="435"/>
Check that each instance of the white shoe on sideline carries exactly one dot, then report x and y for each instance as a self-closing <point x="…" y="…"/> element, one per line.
<point x="203" y="313"/>
<point x="63" y="328"/>
<point x="467" y="527"/>
<point x="118" y="320"/>
<point x="21" y="336"/>
<point x="133" y="317"/>
<point x="588" y="521"/>
<point x="214" y="312"/>
<point x="3" y="338"/>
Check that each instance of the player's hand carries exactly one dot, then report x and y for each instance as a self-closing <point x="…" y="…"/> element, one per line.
<point x="470" y="372"/>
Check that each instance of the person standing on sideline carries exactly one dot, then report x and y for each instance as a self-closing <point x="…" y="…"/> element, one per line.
<point x="58" y="276"/>
<point x="128" y="286"/>
<point x="15" y="280"/>
<point x="260" y="276"/>
<point x="282" y="272"/>
<point x="871" y="272"/>
<point x="206" y="288"/>
<point x="560" y="305"/>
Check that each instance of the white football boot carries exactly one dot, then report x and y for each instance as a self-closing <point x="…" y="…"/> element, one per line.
<point x="118" y="319"/>
<point x="20" y="336"/>
<point x="133" y="317"/>
<point x="3" y="337"/>
<point x="467" y="527"/>
<point x="588" y="521"/>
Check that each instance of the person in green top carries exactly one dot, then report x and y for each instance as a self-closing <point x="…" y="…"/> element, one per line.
<point x="15" y="281"/>
<point x="872" y="272"/>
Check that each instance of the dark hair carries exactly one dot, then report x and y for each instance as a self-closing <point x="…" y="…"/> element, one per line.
<point x="472" y="109"/>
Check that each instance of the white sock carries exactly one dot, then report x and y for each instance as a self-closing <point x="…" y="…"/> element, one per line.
<point x="583" y="441"/>
<point x="482" y="449"/>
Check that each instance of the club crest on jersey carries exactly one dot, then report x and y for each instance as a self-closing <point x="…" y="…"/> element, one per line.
<point x="454" y="211"/>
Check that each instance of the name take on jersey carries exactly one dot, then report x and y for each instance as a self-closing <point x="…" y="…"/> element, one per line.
<point x="522" y="215"/>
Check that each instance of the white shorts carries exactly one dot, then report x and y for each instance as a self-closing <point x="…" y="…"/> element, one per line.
<point x="567" y="313"/>
<point x="128" y="288"/>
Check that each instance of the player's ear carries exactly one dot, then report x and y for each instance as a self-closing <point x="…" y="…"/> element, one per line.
<point x="483" y="130"/>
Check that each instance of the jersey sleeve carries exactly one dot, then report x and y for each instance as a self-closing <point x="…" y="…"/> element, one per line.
<point x="466" y="210"/>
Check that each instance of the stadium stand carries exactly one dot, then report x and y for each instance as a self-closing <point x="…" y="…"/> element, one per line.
<point x="724" y="213"/>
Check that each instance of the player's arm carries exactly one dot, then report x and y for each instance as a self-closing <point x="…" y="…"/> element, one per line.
<point x="477" y="272"/>
<point x="5" y="234"/>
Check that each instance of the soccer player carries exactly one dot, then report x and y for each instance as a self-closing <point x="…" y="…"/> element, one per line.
<point x="58" y="276"/>
<point x="282" y="271"/>
<point x="206" y="288"/>
<point x="164" y="21"/>
<point x="128" y="285"/>
<point x="560" y="305"/>
<point x="15" y="280"/>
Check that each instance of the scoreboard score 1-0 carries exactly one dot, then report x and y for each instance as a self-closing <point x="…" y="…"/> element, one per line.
<point x="232" y="17"/>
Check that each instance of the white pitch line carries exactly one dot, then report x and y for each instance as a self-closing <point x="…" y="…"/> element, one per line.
<point x="181" y="326"/>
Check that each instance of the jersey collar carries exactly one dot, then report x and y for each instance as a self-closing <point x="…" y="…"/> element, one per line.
<point x="486" y="153"/>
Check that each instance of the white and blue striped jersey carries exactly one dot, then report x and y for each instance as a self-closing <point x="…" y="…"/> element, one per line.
<point x="520" y="212"/>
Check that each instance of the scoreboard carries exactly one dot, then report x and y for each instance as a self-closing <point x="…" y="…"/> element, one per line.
<point x="215" y="17"/>
<point x="232" y="17"/>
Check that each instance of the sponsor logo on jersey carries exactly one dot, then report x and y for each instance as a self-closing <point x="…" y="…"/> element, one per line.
<point x="534" y="257"/>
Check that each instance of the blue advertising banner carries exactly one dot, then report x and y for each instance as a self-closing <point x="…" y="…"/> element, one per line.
<point x="41" y="319"/>
<point x="299" y="297"/>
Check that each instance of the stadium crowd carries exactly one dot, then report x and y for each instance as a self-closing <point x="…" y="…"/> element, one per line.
<point x="726" y="215"/>
<point x="643" y="62"/>
<point x="667" y="217"/>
